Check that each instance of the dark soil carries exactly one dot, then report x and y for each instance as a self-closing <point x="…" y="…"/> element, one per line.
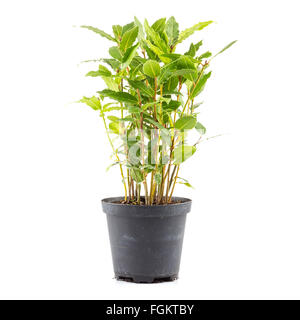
<point x="142" y="202"/>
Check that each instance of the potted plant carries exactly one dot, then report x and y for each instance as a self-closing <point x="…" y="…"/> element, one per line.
<point x="148" y="108"/>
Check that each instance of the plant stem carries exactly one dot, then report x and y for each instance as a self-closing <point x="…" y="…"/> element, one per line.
<point x="116" y="154"/>
<point x="174" y="183"/>
<point x="143" y="151"/>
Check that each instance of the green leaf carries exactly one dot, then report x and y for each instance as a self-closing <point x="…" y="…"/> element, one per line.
<point x="136" y="65"/>
<point x="128" y="38"/>
<point x="137" y="175"/>
<point x="185" y="123"/>
<point x="159" y="25"/>
<point x="190" y="74"/>
<point x="155" y="37"/>
<point x="200" y="128"/>
<point x="200" y="85"/>
<point x="93" y="74"/>
<point x="184" y="62"/>
<point x="114" y="127"/>
<point x="128" y="56"/>
<point x="92" y="102"/>
<point x="141" y="34"/>
<point x="102" y="33"/>
<point x="134" y="109"/>
<point x="151" y="68"/>
<point x="172" y="106"/>
<point x="204" y="55"/>
<point x="114" y="64"/>
<point x="172" y="30"/>
<point x="225" y="48"/>
<point x="111" y="84"/>
<point x="102" y="72"/>
<point x="128" y="27"/>
<point x="171" y="84"/>
<point x="157" y="178"/>
<point x="112" y="165"/>
<point x="119" y="96"/>
<point x="171" y="56"/>
<point x="117" y="30"/>
<point x="153" y="48"/>
<point x="113" y="118"/>
<point x="185" y="182"/>
<point x="188" y="32"/>
<point x="182" y="153"/>
<point x="192" y="51"/>
<point x="147" y="91"/>
<point x="115" y="53"/>
<point x="198" y="45"/>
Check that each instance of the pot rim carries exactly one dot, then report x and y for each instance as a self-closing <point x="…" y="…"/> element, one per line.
<point x="111" y="199"/>
<point x="110" y="207"/>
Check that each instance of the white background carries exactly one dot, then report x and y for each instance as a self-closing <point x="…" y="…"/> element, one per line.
<point x="242" y="236"/>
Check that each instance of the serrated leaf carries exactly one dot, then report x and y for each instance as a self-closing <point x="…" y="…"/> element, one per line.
<point x="100" y="32"/>
<point x="92" y="102"/>
<point x="119" y="96"/>
<point x="115" y="52"/>
<point x="128" y="38"/>
<point x="147" y="91"/>
<point x="172" y="30"/>
<point x="182" y="153"/>
<point x="151" y="68"/>
<point x="185" y="123"/>
<point x="200" y="85"/>
<point x="188" y="32"/>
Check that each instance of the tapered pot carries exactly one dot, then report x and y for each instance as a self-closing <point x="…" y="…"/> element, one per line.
<point x="146" y="241"/>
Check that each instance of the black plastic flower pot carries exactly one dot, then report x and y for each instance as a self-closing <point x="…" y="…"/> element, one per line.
<point x="146" y="241"/>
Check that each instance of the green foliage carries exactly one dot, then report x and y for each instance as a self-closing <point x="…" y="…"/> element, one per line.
<point x="92" y="102"/>
<point x="148" y="105"/>
<point x="188" y="32"/>
<point x="119" y="96"/>
<point x="185" y="123"/>
<point x="227" y="47"/>
<point x="182" y="153"/>
<point x="102" y="33"/>
<point x="128" y="38"/>
<point x="151" y="68"/>
<point x="172" y="30"/>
